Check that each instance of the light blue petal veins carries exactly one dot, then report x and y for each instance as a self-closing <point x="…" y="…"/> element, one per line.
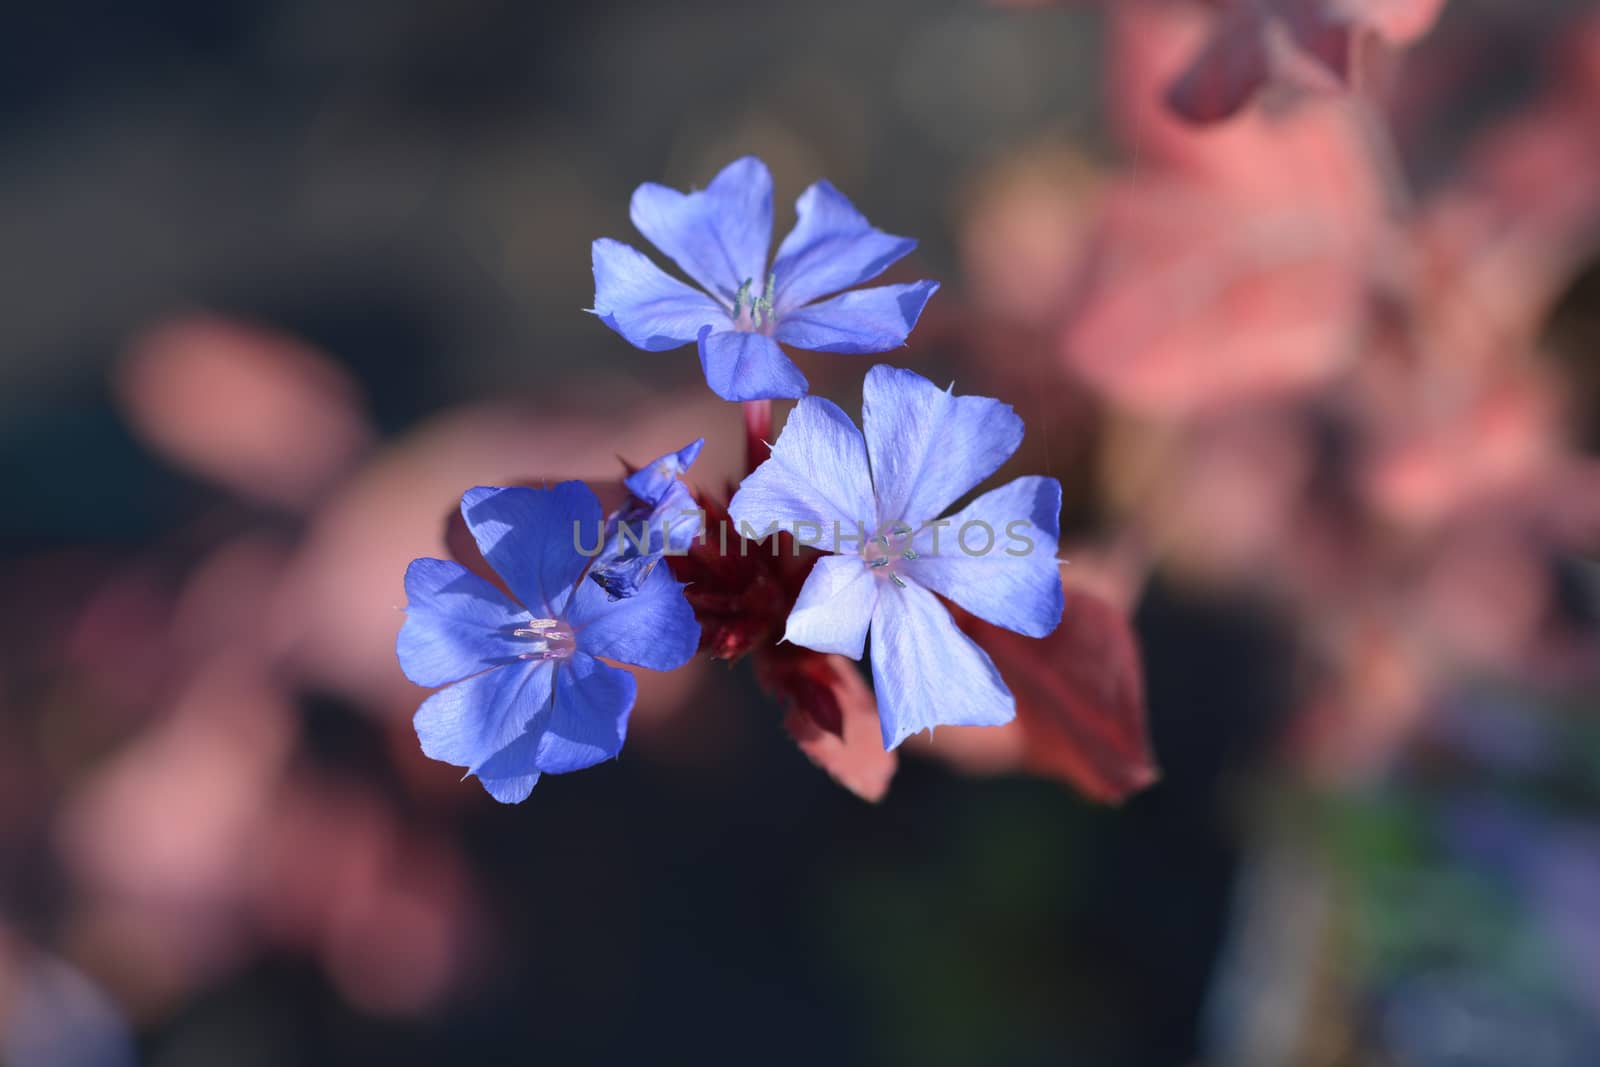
<point x="835" y="606"/>
<point x="678" y="519"/>
<point x="926" y="672"/>
<point x="466" y="724"/>
<point x="456" y="624"/>
<point x="831" y="247"/>
<point x="748" y="366"/>
<point x="530" y="538"/>
<point x="857" y="322"/>
<point x="655" y="628"/>
<point x="588" y="719"/>
<point x="514" y="789"/>
<point x="719" y="236"/>
<point x="510" y="774"/>
<point x="929" y="447"/>
<point x="643" y="303"/>
<point x="817" y="474"/>
<point x="997" y="557"/>
<point x="651" y="482"/>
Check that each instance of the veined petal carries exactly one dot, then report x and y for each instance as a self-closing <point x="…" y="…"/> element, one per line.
<point x="510" y="774"/>
<point x="653" y="628"/>
<point x="748" y="366"/>
<point x="857" y="322"/>
<point x="466" y="724"/>
<point x="1003" y="569"/>
<point x="719" y="235"/>
<point x="928" y="447"/>
<point x="643" y="303"/>
<point x="529" y="537"/>
<point x="817" y="473"/>
<point x="679" y="519"/>
<point x="588" y="718"/>
<point x="456" y="624"/>
<point x="831" y="247"/>
<point x="926" y="672"/>
<point x="835" y="606"/>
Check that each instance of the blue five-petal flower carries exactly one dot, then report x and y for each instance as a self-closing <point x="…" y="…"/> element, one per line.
<point x="923" y="449"/>
<point x="524" y="692"/>
<point x="719" y="236"/>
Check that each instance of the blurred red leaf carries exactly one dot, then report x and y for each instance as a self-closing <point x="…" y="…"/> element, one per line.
<point x="1301" y="45"/>
<point x="807" y="685"/>
<point x="1192" y="299"/>
<point x="1295" y="43"/>
<point x="1080" y="697"/>
<point x="832" y="715"/>
<point x="1316" y="155"/>
<point x="253" y="410"/>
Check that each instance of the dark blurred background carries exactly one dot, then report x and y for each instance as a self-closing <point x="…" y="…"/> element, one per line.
<point x="217" y="843"/>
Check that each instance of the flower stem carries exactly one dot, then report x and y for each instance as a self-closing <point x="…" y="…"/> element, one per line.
<point x="757" y="430"/>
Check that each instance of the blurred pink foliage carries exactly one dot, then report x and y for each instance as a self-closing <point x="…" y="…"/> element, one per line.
<point x="1319" y="384"/>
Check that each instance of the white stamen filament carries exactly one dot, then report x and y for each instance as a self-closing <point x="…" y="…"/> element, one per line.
<point x="547" y="639"/>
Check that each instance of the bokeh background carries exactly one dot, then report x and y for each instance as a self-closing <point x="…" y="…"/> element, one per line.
<point x="286" y="277"/>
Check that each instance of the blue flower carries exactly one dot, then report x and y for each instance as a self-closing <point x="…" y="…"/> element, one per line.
<point x="719" y="236"/>
<point x="660" y="516"/>
<point x="524" y="692"/>
<point x="876" y="502"/>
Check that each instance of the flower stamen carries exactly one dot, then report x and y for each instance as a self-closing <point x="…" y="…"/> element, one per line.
<point x="547" y="639"/>
<point x="755" y="313"/>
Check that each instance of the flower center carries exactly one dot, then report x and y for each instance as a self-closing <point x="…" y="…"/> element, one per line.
<point x="547" y="639"/>
<point x="754" y="314"/>
<point x="882" y="554"/>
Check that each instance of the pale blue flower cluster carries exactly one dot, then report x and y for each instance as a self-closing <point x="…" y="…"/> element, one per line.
<point x="525" y="689"/>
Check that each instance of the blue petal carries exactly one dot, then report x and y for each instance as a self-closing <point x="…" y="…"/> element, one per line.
<point x="510" y="774"/>
<point x="817" y="473"/>
<point x="831" y="247"/>
<point x="467" y="723"/>
<point x="835" y="606"/>
<point x="720" y="235"/>
<point x="456" y="624"/>
<point x="929" y="447"/>
<point x="926" y="672"/>
<point x="748" y="366"/>
<point x="678" y="519"/>
<point x="588" y="718"/>
<point x="1004" y="570"/>
<point x="530" y="538"/>
<point x="511" y="790"/>
<point x="862" y="320"/>
<point x="652" y="481"/>
<point x="643" y="303"/>
<point x="654" y="628"/>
